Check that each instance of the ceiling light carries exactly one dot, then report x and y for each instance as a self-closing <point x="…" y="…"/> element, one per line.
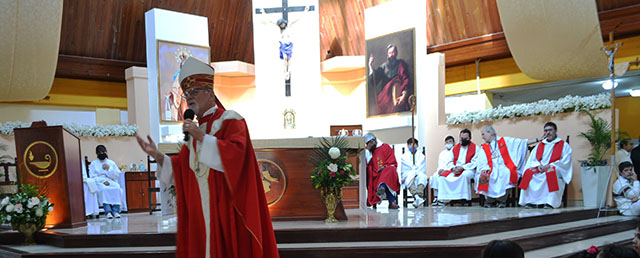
<point x="635" y="93"/>
<point x="607" y="84"/>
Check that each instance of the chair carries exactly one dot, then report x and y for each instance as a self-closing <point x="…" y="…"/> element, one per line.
<point x="409" y="198"/>
<point x="89" y="195"/>
<point x="12" y="186"/>
<point x="153" y="206"/>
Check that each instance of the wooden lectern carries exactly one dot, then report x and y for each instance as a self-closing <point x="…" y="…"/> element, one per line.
<point x="49" y="158"/>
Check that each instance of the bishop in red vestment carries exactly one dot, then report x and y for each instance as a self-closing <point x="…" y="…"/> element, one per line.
<point x="222" y="209"/>
<point x="382" y="178"/>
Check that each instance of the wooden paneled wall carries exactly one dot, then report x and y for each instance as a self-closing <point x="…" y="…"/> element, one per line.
<point x="450" y="21"/>
<point x="114" y="29"/>
<point x="342" y="26"/>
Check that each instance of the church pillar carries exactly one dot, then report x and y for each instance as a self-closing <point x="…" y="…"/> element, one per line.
<point x="138" y="99"/>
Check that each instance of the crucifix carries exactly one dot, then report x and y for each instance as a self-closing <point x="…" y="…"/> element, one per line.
<point x="286" y="46"/>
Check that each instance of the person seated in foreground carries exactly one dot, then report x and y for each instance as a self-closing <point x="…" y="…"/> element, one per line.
<point x="502" y="249"/>
<point x="616" y="251"/>
<point x="382" y="175"/>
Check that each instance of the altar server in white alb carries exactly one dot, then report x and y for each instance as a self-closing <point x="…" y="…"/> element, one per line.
<point x="454" y="182"/>
<point x="444" y="160"/>
<point x="499" y="163"/>
<point x="106" y="173"/>
<point x="626" y="190"/>
<point x="414" y="174"/>
<point x="549" y="169"/>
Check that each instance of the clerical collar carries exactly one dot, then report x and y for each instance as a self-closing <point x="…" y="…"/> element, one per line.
<point x="545" y="141"/>
<point x="210" y="111"/>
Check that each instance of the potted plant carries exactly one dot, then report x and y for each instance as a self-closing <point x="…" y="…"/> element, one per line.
<point x="26" y="211"/>
<point x="332" y="172"/>
<point x="595" y="170"/>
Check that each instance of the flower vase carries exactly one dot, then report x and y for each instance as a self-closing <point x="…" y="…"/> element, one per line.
<point x="28" y="229"/>
<point x="331" y="196"/>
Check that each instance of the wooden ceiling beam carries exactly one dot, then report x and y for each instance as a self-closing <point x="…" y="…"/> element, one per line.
<point x="89" y="68"/>
<point x="624" y="21"/>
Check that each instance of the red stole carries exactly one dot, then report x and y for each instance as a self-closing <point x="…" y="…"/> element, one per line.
<point x="552" y="177"/>
<point x="483" y="185"/>
<point x="240" y="224"/>
<point x="471" y="151"/>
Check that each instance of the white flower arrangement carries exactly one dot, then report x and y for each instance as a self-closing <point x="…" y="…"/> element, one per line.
<point x="79" y="130"/>
<point x="541" y="107"/>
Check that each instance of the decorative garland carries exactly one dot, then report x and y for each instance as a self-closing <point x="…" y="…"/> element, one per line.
<point x="79" y="130"/>
<point x="541" y="107"/>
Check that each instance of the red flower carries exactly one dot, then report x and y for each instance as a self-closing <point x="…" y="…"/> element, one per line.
<point x="341" y="172"/>
<point x="593" y="249"/>
<point x="318" y="172"/>
<point x="332" y="174"/>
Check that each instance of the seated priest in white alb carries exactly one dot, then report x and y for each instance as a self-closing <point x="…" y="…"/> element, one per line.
<point x="499" y="163"/>
<point x="91" y="207"/>
<point x="106" y="173"/>
<point x="413" y="172"/>
<point x="454" y="182"/>
<point x="626" y="190"/>
<point x="444" y="160"/>
<point x="548" y="170"/>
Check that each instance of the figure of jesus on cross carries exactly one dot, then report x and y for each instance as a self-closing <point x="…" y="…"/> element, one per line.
<point x="286" y="44"/>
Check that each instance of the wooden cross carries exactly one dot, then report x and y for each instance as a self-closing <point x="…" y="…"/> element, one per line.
<point x="285" y="10"/>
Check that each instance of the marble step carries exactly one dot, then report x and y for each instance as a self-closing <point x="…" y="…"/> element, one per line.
<point x="564" y="250"/>
<point x="530" y="239"/>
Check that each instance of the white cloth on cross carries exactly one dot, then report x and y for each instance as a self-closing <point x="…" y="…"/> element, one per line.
<point x="538" y="191"/>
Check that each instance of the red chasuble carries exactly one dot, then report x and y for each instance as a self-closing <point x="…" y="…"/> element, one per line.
<point x="552" y="177"/>
<point x="240" y="224"/>
<point x="381" y="156"/>
<point x="471" y="151"/>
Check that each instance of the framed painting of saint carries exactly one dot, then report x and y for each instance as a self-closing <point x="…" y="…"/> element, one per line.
<point x="170" y="56"/>
<point x="390" y="68"/>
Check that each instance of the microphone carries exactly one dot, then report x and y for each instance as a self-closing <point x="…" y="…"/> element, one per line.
<point x="188" y="114"/>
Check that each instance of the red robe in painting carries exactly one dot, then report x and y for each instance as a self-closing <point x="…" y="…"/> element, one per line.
<point x="240" y="224"/>
<point x="381" y="156"/>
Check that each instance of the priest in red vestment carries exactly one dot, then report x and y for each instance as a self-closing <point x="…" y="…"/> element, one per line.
<point x="222" y="209"/>
<point x="382" y="178"/>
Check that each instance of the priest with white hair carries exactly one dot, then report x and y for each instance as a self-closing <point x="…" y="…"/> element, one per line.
<point x="499" y="163"/>
<point x="548" y="170"/>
